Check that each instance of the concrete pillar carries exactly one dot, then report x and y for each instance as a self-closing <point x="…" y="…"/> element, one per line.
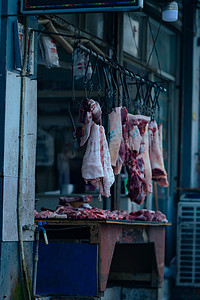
<point x="188" y="96"/>
<point x="195" y="105"/>
<point x="11" y="279"/>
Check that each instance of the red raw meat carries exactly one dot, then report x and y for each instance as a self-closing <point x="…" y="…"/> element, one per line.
<point x="138" y="164"/>
<point x="67" y="200"/>
<point x="82" y="213"/>
<point x="124" y="115"/>
<point x="45" y="215"/>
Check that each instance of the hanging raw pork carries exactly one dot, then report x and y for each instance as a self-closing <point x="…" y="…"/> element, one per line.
<point x="138" y="161"/>
<point x="159" y="173"/>
<point x="96" y="167"/>
<point x="118" y="119"/>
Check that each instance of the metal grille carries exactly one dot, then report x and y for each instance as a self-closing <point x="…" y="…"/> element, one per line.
<point x="188" y="244"/>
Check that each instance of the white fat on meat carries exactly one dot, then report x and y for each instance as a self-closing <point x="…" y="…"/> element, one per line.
<point x="162" y="181"/>
<point x="92" y="167"/>
<point x="147" y="163"/>
<point x="115" y="134"/>
<point x="134" y="140"/>
<point x="96" y="167"/>
<point x="117" y="169"/>
<point x="108" y="178"/>
<point x="121" y="158"/>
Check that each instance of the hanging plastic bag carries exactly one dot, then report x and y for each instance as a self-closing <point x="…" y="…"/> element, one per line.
<point x="41" y="53"/>
<point x="50" y="53"/>
<point x="80" y="65"/>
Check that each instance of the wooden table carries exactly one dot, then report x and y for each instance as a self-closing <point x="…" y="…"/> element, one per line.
<point x="89" y="254"/>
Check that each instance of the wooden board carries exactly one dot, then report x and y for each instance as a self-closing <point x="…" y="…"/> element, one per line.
<point x="95" y="221"/>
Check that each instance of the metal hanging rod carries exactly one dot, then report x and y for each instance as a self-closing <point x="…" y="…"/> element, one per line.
<point x="120" y="68"/>
<point x="107" y="61"/>
<point x="54" y="33"/>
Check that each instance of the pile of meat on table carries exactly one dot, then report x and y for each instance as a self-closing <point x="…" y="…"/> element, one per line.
<point x="136" y="142"/>
<point x="85" y="212"/>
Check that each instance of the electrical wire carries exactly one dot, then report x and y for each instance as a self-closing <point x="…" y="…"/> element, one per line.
<point x="109" y="63"/>
<point x="156" y="52"/>
<point x="136" y="46"/>
<point x="56" y="33"/>
<point x="154" y="45"/>
<point x="92" y="37"/>
<point x="106" y="61"/>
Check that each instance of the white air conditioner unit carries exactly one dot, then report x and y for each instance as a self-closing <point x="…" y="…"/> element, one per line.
<point x="188" y="241"/>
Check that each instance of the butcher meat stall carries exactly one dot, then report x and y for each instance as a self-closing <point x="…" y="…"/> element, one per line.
<point x="84" y="257"/>
<point x="86" y="249"/>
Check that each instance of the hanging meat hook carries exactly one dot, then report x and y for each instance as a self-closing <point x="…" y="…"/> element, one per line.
<point x="73" y="100"/>
<point x="85" y="80"/>
<point x="99" y="87"/>
<point x="120" y="91"/>
<point x="127" y="93"/>
<point x="109" y="89"/>
<point x="156" y="105"/>
<point x="91" y="78"/>
<point x="115" y="88"/>
<point x="138" y="98"/>
<point x="124" y="99"/>
<point x="148" y="102"/>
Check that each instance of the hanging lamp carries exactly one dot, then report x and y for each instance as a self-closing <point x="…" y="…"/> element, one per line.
<point x="170" y="12"/>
